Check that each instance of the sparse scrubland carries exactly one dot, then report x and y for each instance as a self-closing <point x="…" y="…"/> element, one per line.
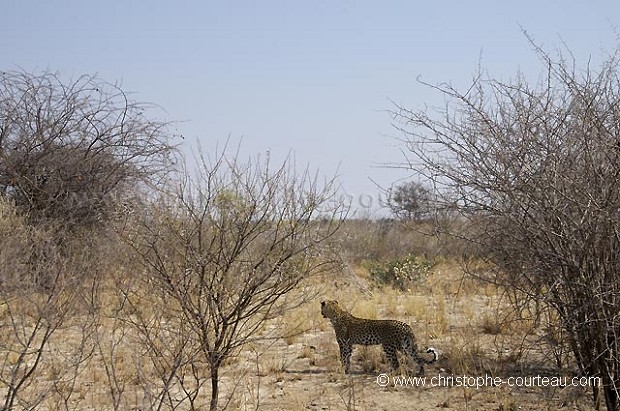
<point x="130" y="282"/>
<point x="106" y="336"/>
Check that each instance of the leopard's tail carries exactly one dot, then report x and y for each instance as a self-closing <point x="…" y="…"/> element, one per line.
<point x="429" y="350"/>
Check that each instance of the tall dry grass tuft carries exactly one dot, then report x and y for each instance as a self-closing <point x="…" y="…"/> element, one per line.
<point x="464" y="355"/>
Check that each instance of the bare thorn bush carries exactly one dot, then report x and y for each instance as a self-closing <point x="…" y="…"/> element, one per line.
<point x="531" y="171"/>
<point x="42" y="289"/>
<point x="75" y="151"/>
<point x="225" y="246"/>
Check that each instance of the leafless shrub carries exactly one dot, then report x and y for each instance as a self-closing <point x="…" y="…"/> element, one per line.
<point x="533" y="171"/>
<point x="74" y="151"/>
<point x="33" y="314"/>
<point x="168" y="371"/>
<point x="224" y="248"/>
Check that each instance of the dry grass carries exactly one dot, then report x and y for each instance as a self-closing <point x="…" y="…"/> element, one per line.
<point x="465" y="319"/>
<point x="384" y="240"/>
<point x="490" y="324"/>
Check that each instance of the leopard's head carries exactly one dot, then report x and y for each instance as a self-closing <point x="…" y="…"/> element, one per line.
<point x="330" y="309"/>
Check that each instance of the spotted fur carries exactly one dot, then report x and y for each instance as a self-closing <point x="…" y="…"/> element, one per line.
<point x="392" y="335"/>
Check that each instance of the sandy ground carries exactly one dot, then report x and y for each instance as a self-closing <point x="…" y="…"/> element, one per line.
<point x="463" y="319"/>
<point x="458" y="318"/>
<point x="317" y="383"/>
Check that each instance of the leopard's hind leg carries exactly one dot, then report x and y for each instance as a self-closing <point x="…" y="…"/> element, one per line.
<point x="390" y="352"/>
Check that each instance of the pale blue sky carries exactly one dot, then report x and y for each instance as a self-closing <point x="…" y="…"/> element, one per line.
<point x="313" y="78"/>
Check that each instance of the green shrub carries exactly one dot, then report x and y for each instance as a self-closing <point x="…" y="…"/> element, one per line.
<point x="401" y="272"/>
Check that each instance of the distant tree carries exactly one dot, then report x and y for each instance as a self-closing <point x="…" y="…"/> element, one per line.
<point x="71" y="151"/>
<point x="410" y="201"/>
<point x="533" y="171"/>
<point x="227" y="246"/>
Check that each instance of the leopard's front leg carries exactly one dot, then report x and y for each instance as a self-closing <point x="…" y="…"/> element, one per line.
<point x="346" y="349"/>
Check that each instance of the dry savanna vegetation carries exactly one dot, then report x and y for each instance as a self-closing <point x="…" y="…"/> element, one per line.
<point x="109" y="337"/>
<point x="131" y="281"/>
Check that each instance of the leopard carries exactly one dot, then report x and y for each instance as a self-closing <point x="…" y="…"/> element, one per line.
<point x="392" y="335"/>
